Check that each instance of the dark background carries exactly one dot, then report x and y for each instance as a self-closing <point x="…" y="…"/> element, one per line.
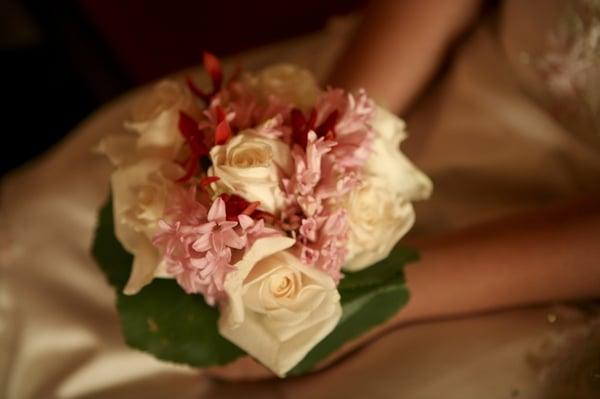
<point x="61" y="59"/>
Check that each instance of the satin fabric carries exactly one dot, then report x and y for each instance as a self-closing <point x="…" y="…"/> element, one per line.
<point x="59" y="331"/>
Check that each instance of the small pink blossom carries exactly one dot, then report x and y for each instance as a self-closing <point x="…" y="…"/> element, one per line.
<point x="217" y="233"/>
<point x="308" y="255"/>
<point x="308" y="163"/>
<point x="214" y="266"/>
<point x="354" y="134"/>
<point x="308" y="229"/>
<point x="272" y="128"/>
<point x="332" y="257"/>
<point x="183" y="205"/>
<point x="310" y="204"/>
<point x="324" y="172"/>
<point x="255" y="229"/>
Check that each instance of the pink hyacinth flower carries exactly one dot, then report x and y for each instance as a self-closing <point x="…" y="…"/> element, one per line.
<point x="217" y="233"/>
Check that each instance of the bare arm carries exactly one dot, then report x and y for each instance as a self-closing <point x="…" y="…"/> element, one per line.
<point x="549" y="256"/>
<point x="552" y="255"/>
<point x="399" y="45"/>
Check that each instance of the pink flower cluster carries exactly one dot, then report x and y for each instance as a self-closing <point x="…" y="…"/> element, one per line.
<point x="203" y="233"/>
<point x="326" y="169"/>
<point x="198" y="244"/>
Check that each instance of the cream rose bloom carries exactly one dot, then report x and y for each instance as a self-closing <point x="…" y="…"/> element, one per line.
<point x="380" y="212"/>
<point x="250" y="166"/>
<point x="139" y="192"/>
<point x="278" y="308"/>
<point x="388" y="162"/>
<point x="378" y="218"/>
<point x="144" y="173"/>
<point x="155" y="118"/>
<point x="286" y="82"/>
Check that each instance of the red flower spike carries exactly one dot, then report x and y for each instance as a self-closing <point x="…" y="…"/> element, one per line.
<point x="192" y="135"/>
<point x="220" y="114"/>
<point x="266" y="216"/>
<point x="225" y="197"/>
<point x="328" y="126"/>
<point x="299" y="128"/>
<point x="251" y="208"/>
<point x="192" y="165"/>
<point x="222" y="133"/>
<point x="330" y="135"/>
<point x="207" y="181"/>
<point x="297" y="119"/>
<point x="194" y="138"/>
<point x="213" y="67"/>
<point x="312" y="120"/>
<point x="187" y="125"/>
<point x="234" y="205"/>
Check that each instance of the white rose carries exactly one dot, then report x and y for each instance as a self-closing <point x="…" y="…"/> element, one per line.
<point x="139" y="191"/>
<point x="287" y="82"/>
<point x="155" y="119"/>
<point x="378" y="218"/>
<point x="278" y="308"/>
<point x="380" y="212"/>
<point x="156" y="116"/>
<point x="145" y="174"/>
<point x="388" y="162"/>
<point x="250" y="166"/>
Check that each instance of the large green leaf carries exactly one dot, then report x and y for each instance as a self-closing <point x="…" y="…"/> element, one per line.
<point x="172" y="325"/>
<point x="368" y="298"/>
<point x="110" y="255"/>
<point x="161" y="319"/>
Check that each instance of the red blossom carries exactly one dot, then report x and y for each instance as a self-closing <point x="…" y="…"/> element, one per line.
<point x="236" y="205"/>
<point x="207" y="181"/>
<point x="301" y="126"/>
<point x="213" y="67"/>
<point x="215" y="71"/>
<point x="251" y="208"/>
<point x="222" y="133"/>
<point x="220" y="114"/>
<point x="328" y="125"/>
<point x="195" y="140"/>
<point x="269" y="218"/>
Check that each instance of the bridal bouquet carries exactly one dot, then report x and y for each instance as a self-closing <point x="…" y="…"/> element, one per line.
<point x="258" y="218"/>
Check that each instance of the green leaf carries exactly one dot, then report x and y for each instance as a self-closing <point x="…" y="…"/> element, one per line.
<point x="108" y="251"/>
<point x="369" y="298"/>
<point x="161" y="319"/>
<point x="381" y="272"/>
<point x="172" y="325"/>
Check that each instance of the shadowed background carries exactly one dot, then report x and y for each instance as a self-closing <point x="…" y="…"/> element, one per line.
<point x="62" y="59"/>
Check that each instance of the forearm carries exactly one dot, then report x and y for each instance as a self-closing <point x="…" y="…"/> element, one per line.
<point x="399" y="46"/>
<point x="553" y="255"/>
